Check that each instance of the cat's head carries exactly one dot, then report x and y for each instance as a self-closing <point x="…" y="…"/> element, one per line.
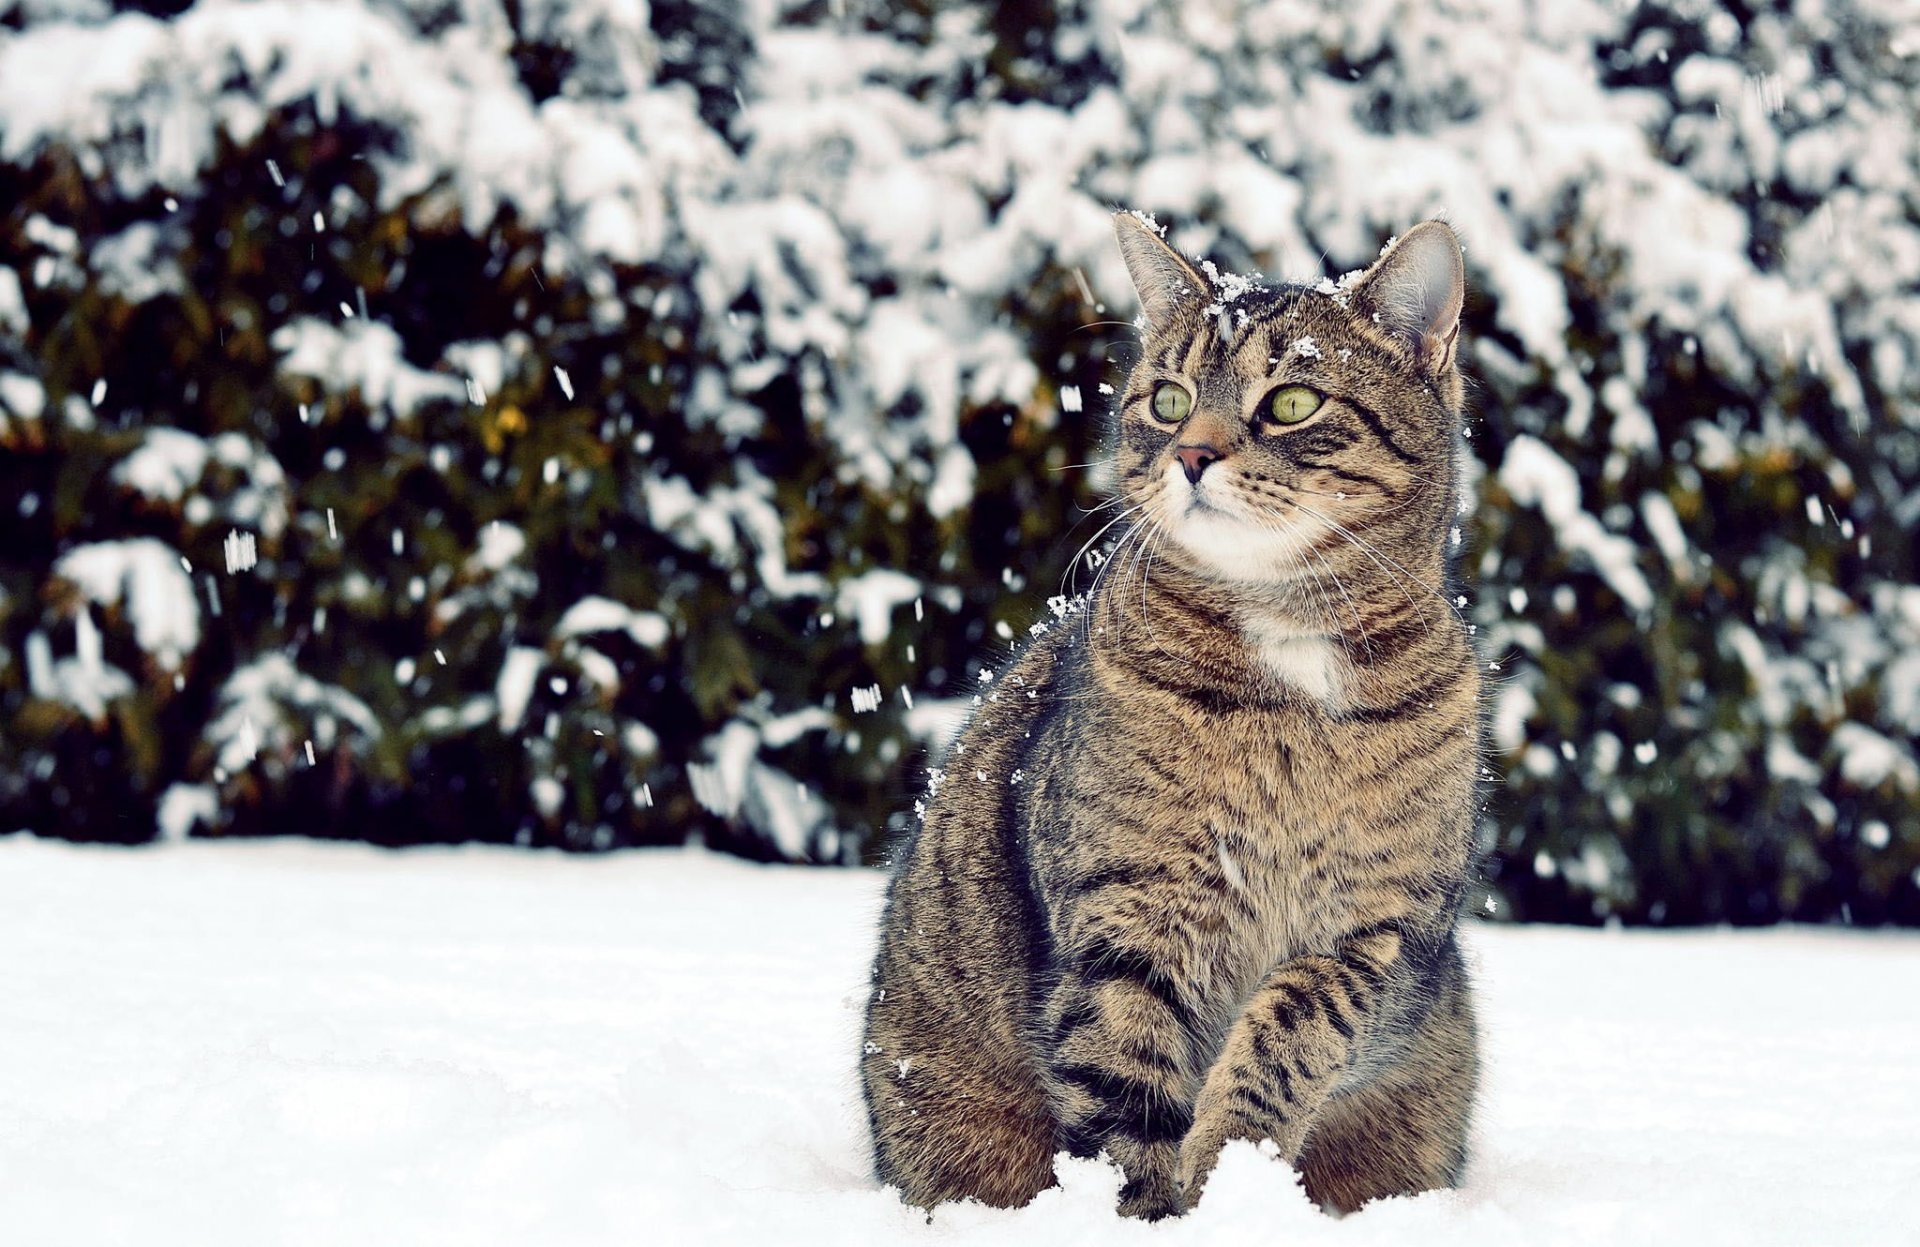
<point x="1267" y="429"/>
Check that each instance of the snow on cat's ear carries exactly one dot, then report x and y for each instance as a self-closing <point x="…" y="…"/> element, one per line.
<point x="1414" y="292"/>
<point x="1164" y="280"/>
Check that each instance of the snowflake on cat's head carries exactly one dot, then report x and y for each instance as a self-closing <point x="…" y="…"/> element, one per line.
<point x="1229" y="288"/>
<point x="1341" y="289"/>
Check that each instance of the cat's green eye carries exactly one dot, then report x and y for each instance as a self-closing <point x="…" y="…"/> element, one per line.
<point x="1171" y="403"/>
<point x="1292" y="404"/>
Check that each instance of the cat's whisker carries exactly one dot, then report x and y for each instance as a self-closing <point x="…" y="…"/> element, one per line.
<point x="1141" y="533"/>
<point x="1073" y="564"/>
<point x="1146" y="527"/>
<point x="1096" y="324"/>
<point x="1154" y="541"/>
<point x="1298" y="570"/>
<point x="1150" y="532"/>
<point x="1357" y="543"/>
<point x="1146" y="574"/>
<point x="1087" y="513"/>
<point x="1133" y="534"/>
<point x="1366" y="640"/>
<point x="1114" y="551"/>
<point x="1377" y="555"/>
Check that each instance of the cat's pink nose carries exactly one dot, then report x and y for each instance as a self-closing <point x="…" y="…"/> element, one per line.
<point x="1195" y="460"/>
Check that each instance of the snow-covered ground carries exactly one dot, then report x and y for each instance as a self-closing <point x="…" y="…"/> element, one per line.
<point x="290" y="1043"/>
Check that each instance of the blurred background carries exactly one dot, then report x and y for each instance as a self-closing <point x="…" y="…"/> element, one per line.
<point x="599" y="424"/>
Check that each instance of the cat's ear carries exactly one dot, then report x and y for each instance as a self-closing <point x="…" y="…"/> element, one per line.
<point x="1165" y="282"/>
<point x="1414" y="291"/>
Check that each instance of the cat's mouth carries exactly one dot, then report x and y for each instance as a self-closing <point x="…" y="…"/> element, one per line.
<point x="1223" y="539"/>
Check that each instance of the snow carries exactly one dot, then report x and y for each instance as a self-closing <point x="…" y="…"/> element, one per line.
<point x="720" y="785"/>
<point x="772" y="802"/>
<point x="889" y="217"/>
<point x="514" y="688"/>
<point x="1514" y="705"/>
<point x="548" y="794"/>
<point x="952" y="482"/>
<point x="1538" y="477"/>
<point x="169" y="463"/>
<point x="872" y="597"/>
<point x="83" y="679"/>
<point x="362" y="355"/>
<point x="598" y="614"/>
<point x="241" y="551"/>
<point x="269" y="707"/>
<point x="184" y="805"/>
<point x="1868" y="759"/>
<point x="710" y="521"/>
<point x="500" y="544"/>
<point x="143" y="577"/>
<point x="299" y="1043"/>
<point x="1901" y="690"/>
<point x="453" y="96"/>
<point x="20" y="395"/>
<point x="13" y="304"/>
<point x="1668" y="534"/>
<point x="134" y="264"/>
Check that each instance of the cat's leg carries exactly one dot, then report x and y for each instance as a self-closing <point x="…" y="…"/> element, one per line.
<point x="1122" y="1068"/>
<point x="953" y="1087"/>
<point x="1405" y="1131"/>
<point x="1314" y="1019"/>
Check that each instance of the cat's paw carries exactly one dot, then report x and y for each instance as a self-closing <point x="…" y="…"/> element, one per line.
<point x="1199" y="1152"/>
<point x="1151" y="1199"/>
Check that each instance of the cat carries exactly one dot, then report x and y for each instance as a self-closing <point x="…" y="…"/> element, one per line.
<point x="1194" y="870"/>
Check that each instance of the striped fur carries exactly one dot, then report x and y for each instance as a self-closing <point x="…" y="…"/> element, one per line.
<point x="1195" y="869"/>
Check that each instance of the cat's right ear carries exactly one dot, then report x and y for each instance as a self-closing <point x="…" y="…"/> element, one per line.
<point x="1414" y="291"/>
<point x="1166" y="283"/>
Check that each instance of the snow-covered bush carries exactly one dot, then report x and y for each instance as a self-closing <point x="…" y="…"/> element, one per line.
<point x="646" y="415"/>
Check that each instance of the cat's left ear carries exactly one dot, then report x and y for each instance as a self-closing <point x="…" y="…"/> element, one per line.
<point x="1165" y="282"/>
<point x="1415" y="292"/>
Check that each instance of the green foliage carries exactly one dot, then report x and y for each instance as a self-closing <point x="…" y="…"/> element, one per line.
<point x="371" y="367"/>
<point x="374" y="587"/>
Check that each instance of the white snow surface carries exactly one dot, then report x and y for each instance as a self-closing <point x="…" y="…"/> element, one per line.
<point x="285" y="1042"/>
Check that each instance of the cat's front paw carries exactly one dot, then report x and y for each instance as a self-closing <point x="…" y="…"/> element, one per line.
<point x="1151" y="1199"/>
<point x="1199" y="1152"/>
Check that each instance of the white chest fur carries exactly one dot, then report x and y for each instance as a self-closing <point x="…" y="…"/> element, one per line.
<point x="1312" y="665"/>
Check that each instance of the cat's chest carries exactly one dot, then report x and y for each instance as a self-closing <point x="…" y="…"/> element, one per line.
<point x="1309" y="666"/>
<point x="1262" y="827"/>
<point x="1244" y="822"/>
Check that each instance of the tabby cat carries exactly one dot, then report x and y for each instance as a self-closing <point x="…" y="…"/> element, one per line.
<point x="1195" y="867"/>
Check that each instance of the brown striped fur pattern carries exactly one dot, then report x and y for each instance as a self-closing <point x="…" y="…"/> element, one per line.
<point x="1194" y="869"/>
